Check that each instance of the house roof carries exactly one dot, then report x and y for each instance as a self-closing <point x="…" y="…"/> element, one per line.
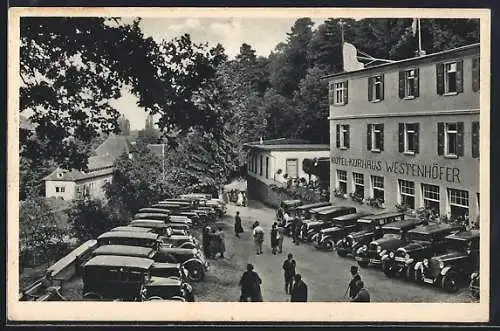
<point x="278" y="141"/>
<point x="114" y="146"/>
<point x="291" y="147"/>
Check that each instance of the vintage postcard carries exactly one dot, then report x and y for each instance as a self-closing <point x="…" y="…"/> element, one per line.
<point x="248" y="164"/>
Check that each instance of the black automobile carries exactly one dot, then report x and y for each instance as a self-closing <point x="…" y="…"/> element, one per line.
<point x="166" y="218"/>
<point x="424" y="242"/>
<point x="161" y="227"/>
<point x="311" y="215"/>
<point x="324" y="219"/>
<point x="342" y="226"/>
<point x="154" y="210"/>
<point x="453" y="268"/>
<point x="147" y="239"/>
<point x="368" y="228"/>
<point x="394" y="235"/>
<point x="288" y="205"/>
<point x="127" y="278"/>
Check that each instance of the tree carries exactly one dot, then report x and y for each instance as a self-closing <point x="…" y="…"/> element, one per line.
<point x="137" y="182"/>
<point x="124" y="125"/>
<point x="38" y="230"/>
<point x="91" y="218"/>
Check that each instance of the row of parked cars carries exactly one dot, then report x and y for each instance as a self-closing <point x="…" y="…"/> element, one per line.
<point x="441" y="254"/>
<point x="154" y="257"/>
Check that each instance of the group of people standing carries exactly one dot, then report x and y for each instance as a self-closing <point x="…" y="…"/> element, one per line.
<point x="213" y="242"/>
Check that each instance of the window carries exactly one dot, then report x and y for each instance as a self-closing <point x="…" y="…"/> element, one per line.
<point x="430" y="194"/>
<point x="449" y="78"/>
<point x="376" y="88"/>
<point x="408" y="84"/>
<point x="451" y="139"/>
<point x="267" y="167"/>
<point x="375" y="137"/>
<point x="338" y="93"/>
<point x="475" y="139"/>
<point x="291" y="168"/>
<point x="408" y="138"/>
<point x="475" y="74"/>
<point x="261" y="165"/>
<point x="342" y="181"/>
<point x="459" y="203"/>
<point x="57" y="189"/>
<point x="407" y="193"/>
<point x="359" y="184"/>
<point x="343" y="136"/>
<point x="378" y="187"/>
<point x="63" y="189"/>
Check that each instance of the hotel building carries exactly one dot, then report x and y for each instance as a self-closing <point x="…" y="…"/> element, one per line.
<point x="407" y="132"/>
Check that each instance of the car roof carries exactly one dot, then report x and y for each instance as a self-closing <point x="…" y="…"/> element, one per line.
<point x="177" y="250"/>
<point x="127" y="234"/>
<point x="124" y="250"/>
<point x="349" y="217"/>
<point x="402" y="224"/>
<point x="433" y="228"/>
<point x="149" y="224"/>
<point x="464" y="235"/>
<point x="131" y="228"/>
<point x="155" y="210"/>
<point x="334" y="209"/>
<point x="314" y="205"/>
<point x="382" y="215"/>
<point x="161" y="265"/>
<point x="317" y="210"/>
<point x="137" y="215"/>
<point x="164" y="281"/>
<point x="120" y="261"/>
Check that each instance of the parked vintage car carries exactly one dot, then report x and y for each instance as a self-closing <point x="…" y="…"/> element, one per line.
<point x="342" y="226"/>
<point x="163" y="217"/>
<point x="394" y="235"/>
<point x="324" y="219"/>
<point x="368" y="228"/>
<point x="453" y="268"/>
<point x="126" y="278"/>
<point x="424" y="242"/>
<point x="154" y="210"/>
<point x="301" y="212"/>
<point x="474" y="285"/>
<point x="143" y="239"/>
<point x="191" y="259"/>
<point x="290" y="204"/>
<point x="313" y="215"/>
<point x="161" y="227"/>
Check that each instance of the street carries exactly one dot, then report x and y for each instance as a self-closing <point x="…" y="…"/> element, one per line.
<point x="325" y="273"/>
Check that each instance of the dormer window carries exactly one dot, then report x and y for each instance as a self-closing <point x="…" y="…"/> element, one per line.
<point x="60" y="175"/>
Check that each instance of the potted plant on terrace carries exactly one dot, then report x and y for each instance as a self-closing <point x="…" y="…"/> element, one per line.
<point x="356" y="197"/>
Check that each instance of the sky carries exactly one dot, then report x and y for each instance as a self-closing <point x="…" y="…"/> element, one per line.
<point x="263" y="34"/>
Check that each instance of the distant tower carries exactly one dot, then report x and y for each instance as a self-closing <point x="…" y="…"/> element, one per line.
<point x="124" y="124"/>
<point x="149" y="122"/>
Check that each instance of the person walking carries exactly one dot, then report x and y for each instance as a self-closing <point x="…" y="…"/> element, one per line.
<point x="220" y="240"/>
<point x="353" y="288"/>
<point x="363" y="295"/>
<point x="289" y="268"/>
<point x="299" y="291"/>
<point x="258" y="237"/>
<point x="237" y="225"/>
<point x="274" y="238"/>
<point x="281" y="236"/>
<point x="297" y="224"/>
<point x="250" y="285"/>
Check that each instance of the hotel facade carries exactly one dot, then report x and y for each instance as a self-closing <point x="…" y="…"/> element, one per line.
<point x="407" y="132"/>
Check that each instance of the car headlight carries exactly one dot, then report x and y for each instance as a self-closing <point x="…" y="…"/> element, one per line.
<point x="441" y="265"/>
<point x="391" y="255"/>
<point x="474" y="275"/>
<point x="425" y="262"/>
<point x="344" y="240"/>
<point x="407" y="256"/>
<point x="379" y="249"/>
<point x="364" y="248"/>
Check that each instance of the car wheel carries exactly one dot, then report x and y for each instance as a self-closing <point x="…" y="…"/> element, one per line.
<point x="388" y="270"/>
<point x="188" y="245"/>
<point x="363" y="264"/>
<point x="154" y="298"/>
<point x="329" y="245"/>
<point x="195" y="271"/>
<point x="450" y="282"/>
<point x="92" y="296"/>
<point x="177" y="298"/>
<point x="341" y="253"/>
<point x="410" y="272"/>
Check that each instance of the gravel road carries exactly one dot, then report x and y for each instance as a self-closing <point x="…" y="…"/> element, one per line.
<point x="325" y="273"/>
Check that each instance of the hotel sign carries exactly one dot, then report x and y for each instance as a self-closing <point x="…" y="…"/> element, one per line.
<point x="431" y="171"/>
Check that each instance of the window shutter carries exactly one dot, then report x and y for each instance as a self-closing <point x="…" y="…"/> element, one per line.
<point x="401" y="84"/>
<point x="417" y="129"/>
<point x="417" y="85"/>
<point x="475" y="139"/>
<point x="460" y="76"/>
<point x="369" y="137"/>
<point x="440" y="127"/>
<point x="338" y="136"/>
<point x="370" y="88"/>
<point x="475" y="74"/>
<point x="440" y="78"/>
<point x="331" y="93"/>
<point x="382" y="87"/>
<point x="401" y="135"/>
<point x="347" y="136"/>
<point x="381" y="137"/>
<point x="345" y="92"/>
<point x="460" y="139"/>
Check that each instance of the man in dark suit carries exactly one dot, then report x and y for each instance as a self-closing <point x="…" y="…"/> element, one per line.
<point x="363" y="295"/>
<point x="299" y="291"/>
<point x="353" y="289"/>
<point x="250" y="285"/>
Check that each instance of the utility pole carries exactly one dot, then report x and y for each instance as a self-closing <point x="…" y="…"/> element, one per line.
<point x="342" y="23"/>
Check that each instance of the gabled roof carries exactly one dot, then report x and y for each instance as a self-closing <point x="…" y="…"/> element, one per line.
<point x="114" y="146"/>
